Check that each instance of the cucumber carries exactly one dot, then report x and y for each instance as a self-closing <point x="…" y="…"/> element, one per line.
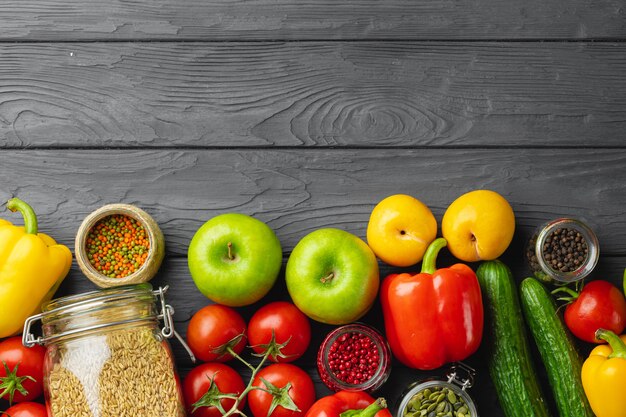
<point x="510" y="365"/>
<point x="557" y="349"/>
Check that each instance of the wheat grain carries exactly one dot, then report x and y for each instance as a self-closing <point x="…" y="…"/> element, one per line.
<point x="127" y="372"/>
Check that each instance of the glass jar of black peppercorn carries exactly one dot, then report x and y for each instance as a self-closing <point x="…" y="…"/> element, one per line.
<point x="563" y="250"/>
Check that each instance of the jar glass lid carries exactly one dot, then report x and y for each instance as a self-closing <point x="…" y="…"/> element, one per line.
<point x="84" y="300"/>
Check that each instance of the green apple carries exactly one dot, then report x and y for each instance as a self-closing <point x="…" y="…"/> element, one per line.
<point x="234" y="259"/>
<point x="332" y="276"/>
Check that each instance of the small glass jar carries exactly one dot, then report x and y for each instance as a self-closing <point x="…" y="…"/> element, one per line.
<point x="545" y="253"/>
<point x="451" y="397"/>
<point x="107" y="356"/>
<point x="354" y="357"/>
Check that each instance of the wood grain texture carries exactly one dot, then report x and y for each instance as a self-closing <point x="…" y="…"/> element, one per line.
<point x="311" y="19"/>
<point x="298" y="191"/>
<point x="358" y="94"/>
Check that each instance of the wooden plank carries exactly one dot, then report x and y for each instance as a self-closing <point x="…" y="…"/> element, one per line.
<point x="314" y="94"/>
<point x="311" y="19"/>
<point x="298" y="191"/>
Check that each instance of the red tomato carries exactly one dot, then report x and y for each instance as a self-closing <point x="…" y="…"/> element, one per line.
<point x="211" y="328"/>
<point x="599" y="305"/>
<point x="198" y="381"/>
<point x="302" y="391"/>
<point x="23" y="364"/>
<point x="288" y="325"/>
<point x="334" y="405"/>
<point x="26" y="409"/>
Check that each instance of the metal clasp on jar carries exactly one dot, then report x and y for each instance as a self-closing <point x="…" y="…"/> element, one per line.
<point x="456" y="373"/>
<point x="167" y="313"/>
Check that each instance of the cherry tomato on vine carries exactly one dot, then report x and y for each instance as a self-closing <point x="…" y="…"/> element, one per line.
<point x="288" y="324"/>
<point x="290" y="383"/>
<point x="212" y="328"/>
<point x="26" y="409"/>
<point x="198" y="382"/>
<point x="599" y="305"/>
<point x="21" y="370"/>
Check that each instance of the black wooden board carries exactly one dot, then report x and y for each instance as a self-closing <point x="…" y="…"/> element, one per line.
<point x="312" y="94"/>
<point x="311" y="19"/>
<point x="305" y="114"/>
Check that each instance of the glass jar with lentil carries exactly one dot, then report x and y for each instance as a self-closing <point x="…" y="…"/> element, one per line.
<point x="563" y="250"/>
<point x="107" y="356"/>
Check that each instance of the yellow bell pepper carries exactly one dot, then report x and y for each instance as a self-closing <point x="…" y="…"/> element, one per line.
<point x="604" y="376"/>
<point x="32" y="266"/>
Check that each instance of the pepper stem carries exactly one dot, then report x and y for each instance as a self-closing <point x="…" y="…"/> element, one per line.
<point x="369" y="411"/>
<point x="30" y="219"/>
<point x="617" y="344"/>
<point x="430" y="257"/>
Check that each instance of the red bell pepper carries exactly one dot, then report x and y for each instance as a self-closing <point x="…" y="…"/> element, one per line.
<point x="349" y="404"/>
<point x="433" y="317"/>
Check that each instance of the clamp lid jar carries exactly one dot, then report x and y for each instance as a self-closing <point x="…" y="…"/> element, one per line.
<point x="563" y="250"/>
<point x="439" y="397"/>
<point x="106" y="354"/>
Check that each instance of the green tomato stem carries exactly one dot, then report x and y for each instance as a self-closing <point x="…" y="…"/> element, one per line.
<point x="242" y="360"/>
<point x="235" y="408"/>
<point x="430" y="257"/>
<point x="573" y="295"/>
<point x="30" y="219"/>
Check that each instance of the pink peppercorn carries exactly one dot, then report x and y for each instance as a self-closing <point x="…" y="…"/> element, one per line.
<point x="354" y="357"/>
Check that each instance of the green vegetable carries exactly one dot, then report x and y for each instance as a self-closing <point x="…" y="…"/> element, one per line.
<point x="557" y="349"/>
<point x="509" y="361"/>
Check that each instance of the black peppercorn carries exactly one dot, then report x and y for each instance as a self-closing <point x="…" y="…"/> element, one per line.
<point x="563" y="250"/>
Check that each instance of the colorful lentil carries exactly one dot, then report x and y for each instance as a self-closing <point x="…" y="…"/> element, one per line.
<point x="117" y="246"/>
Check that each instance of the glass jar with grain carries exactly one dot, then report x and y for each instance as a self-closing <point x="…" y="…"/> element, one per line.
<point x="562" y="251"/>
<point x="107" y="355"/>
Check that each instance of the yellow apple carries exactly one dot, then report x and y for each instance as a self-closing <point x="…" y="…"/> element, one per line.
<point x="478" y="225"/>
<point x="400" y="229"/>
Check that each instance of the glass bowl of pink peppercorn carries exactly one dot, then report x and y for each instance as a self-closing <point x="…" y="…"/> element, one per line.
<point x="354" y="357"/>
